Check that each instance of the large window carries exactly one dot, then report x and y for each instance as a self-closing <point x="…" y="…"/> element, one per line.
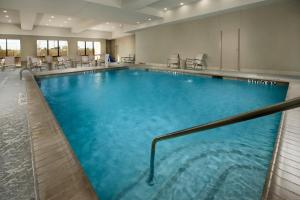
<point x="10" y="47"/>
<point x="52" y="47"/>
<point x="42" y="46"/>
<point x="63" y="47"/>
<point x="81" y="48"/>
<point x="88" y="48"/>
<point x="2" y="48"/>
<point x="97" y="48"/>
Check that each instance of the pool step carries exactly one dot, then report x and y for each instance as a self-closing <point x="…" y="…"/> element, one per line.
<point x="190" y="180"/>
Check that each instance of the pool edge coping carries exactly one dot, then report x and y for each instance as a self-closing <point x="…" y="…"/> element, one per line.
<point x="32" y="80"/>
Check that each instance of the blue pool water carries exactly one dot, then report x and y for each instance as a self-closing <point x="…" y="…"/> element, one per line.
<point x="110" y="118"/>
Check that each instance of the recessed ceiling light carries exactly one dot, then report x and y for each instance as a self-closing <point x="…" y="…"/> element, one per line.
<point x="107" y="22"/>
<point x="181" y="4"/>
<point x="165" y="9"/>
<point x="149" y="19"/>
<point x="69" y="18"/>
<point x="52" y="17"/>
<point x="5" y="11"/>
<point x="6" y="16"/>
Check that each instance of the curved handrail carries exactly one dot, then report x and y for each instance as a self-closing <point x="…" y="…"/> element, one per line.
<point x="279" y="107"/>
<point x="23" y="69"/>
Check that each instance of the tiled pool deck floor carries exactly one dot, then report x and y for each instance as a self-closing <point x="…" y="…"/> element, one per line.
<point x="59" y="175"/>
<point x="16" y="171"/>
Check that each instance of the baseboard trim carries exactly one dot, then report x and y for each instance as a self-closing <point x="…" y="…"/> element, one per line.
<point x="246" y="70"/>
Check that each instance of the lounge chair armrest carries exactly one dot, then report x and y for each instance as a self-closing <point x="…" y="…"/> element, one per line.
<point x="198" y="59"/>
<point x="189" y="59"/>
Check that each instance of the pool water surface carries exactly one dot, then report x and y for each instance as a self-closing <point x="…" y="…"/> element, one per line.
<point x="110" y="118"/>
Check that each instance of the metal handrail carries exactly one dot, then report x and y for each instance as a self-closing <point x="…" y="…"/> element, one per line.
<point x="279" y="107"/>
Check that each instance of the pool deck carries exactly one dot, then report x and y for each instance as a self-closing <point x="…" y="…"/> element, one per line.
<point x="58" y="172"/>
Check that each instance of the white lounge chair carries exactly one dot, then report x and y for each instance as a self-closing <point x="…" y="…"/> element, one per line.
<point x="36" y="63"/>
<point x="92" y="60"/>
<point x="100" y="59"/>
<point x="61" y="62"/>
<point x="85" y="60"/>
<point x="174" y="60"/>
<point x="8" y="62"/>
<point x="128" y="59"/>
<point x="2" y="63"/>
<point x="49" y="62"/>
<point x="197" y="62"/>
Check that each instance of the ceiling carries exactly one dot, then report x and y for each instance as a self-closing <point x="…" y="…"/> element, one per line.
<point x="115" y="16"/>
<point x="9" y="16"/>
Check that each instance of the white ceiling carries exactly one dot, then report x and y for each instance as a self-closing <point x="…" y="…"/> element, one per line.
<point x="170" y="4"/>
<point x="9" y="16"/>
<point x="115" y="16"/>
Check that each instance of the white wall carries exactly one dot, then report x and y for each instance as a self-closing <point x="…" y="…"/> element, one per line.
<point x="270" y="39"/>
<point x="124" y="46"/>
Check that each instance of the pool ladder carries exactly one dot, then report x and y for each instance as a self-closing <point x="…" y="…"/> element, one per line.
<point x="279" y="107"/>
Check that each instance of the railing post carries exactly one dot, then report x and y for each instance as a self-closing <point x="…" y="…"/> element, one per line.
<point x="152" y="158"/>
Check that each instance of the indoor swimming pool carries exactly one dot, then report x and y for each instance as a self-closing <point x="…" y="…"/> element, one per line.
<point x="111" y="117"/>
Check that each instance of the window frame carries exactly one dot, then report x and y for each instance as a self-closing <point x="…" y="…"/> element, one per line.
<point x="47" y="50"/>
<point x="6" y="50"/>
<point x="58" y="47"/>
<point x="85" y="52"/>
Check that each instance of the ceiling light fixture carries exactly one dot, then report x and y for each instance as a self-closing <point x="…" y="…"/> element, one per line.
<point x="9" y="21"/>
<point x="107" y="23"/>
<point x="6" y="16"/>
<point x="5" y="11"/>
<point x="52" y="17"/>
<point x="181" y="4"/>
<point x="49" y="20"/>
<point x="69" y="18"/>
<point x="165" y="9"/>
<point x="149" y="19"/>
<point x="138" y="22"/>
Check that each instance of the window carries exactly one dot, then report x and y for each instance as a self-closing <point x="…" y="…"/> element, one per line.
<point x="42" y="47"/>
<point x="97" y="47"/>
<point x="52" y="47"/>
<point x="81" y="48"/>
<point x="63" y="47"/>
<point x="10" y="47"/>
<point x="88" y="48"/>
<point x="13" y="48"/>
<point x="2" y="48"/>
